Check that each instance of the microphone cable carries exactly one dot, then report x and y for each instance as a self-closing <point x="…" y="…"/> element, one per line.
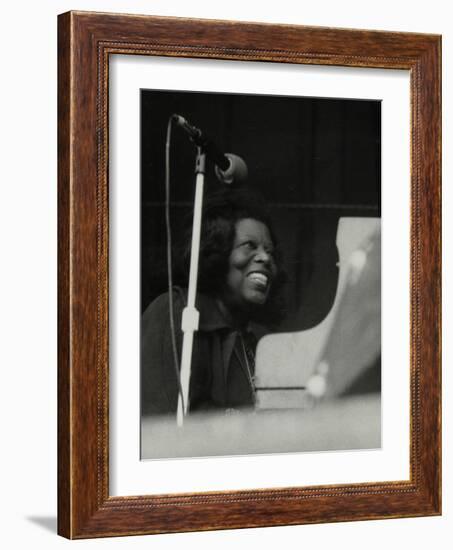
<point x="169" y="260"/>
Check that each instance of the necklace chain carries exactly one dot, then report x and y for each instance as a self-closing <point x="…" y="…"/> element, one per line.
<point x="247" y="368"/>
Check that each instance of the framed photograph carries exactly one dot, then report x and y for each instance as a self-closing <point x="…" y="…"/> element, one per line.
<point x="249" y="275"/>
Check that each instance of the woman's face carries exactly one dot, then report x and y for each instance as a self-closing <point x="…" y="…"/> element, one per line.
<point x="251" y="266"/>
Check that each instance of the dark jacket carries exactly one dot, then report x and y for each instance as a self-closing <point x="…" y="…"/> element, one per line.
<point x="218" y="376"/>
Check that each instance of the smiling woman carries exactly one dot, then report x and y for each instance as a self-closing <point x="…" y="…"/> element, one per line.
<point x="252" y="265"/>
<point x="238" y="300"/>
<point x="317" y="162"/>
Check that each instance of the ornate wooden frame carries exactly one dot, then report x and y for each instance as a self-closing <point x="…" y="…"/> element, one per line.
<point x="85" y="42"/>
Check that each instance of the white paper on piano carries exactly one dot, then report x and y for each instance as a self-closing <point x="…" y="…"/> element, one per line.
<point x="288" y="360"/>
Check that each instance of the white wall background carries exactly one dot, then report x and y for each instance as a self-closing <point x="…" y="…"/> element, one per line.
<point x="28" y="215"/>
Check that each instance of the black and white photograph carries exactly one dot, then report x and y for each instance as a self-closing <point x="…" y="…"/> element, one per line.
<point x="260" y="274"/>
<point x="226" y="275"/>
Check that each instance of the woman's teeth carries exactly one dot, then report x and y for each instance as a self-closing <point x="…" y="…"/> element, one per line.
<point x="259" y="278"/>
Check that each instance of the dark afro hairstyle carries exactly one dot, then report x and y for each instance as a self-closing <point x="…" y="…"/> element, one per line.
<point x="221" y="211"/>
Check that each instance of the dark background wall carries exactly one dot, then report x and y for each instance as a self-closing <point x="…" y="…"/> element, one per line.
<point x="313" y="159"/>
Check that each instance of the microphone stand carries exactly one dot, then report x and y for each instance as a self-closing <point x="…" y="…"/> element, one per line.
<point x="190" y="315"/>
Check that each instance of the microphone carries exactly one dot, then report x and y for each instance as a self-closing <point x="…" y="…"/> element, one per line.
<point x="229" y="168"/>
